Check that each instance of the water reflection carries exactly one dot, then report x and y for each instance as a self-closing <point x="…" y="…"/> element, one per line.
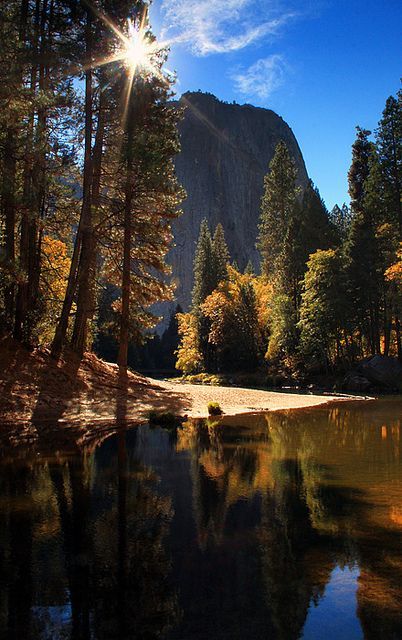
<point x="272" y="526"/>
<point x="82" y="547"/>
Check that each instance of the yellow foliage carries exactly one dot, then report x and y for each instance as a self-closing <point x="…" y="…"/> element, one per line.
<point x="394" y="272"/>
<point x="228" y="294"/>
<point x="189" y="358"/>
<point x="263" y="293"/>
<point x="55" y="267"/>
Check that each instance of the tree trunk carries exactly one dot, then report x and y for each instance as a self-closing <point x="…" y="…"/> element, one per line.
<point x="387" y="326"/>
<point x="8" y="215"/>
<point x="398" y="338"/>
<point x="34" y="182"/>
<point x="87" y="270"/>
<point x="8" y="200"/>
<point x="125" y="293"/>
<point x="62" y="325"/>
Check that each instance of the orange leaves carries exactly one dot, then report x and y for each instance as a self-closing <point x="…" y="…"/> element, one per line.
<point x="394" y="272"/>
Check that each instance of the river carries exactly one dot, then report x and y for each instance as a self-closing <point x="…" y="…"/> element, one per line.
<point x="277" y="526"/>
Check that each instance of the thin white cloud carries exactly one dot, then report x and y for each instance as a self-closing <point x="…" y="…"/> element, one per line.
<point x="221" y="26"/>
<point x="262" y="78"/>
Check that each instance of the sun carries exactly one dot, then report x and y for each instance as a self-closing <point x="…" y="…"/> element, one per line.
<point x="138" y="51"/>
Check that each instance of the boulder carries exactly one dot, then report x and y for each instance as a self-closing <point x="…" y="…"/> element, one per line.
<point x="355" y="382"/>
<point x="383" y="371"/>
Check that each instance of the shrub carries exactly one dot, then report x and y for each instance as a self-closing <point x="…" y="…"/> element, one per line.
<point x="214" y="409"/>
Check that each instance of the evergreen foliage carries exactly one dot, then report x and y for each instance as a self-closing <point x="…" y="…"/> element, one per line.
<point x="277" y="207"/>
<point x="322" y="312"/>
<point x="204" y="273"/>
<point x="340" y="219"/>
<point x="220" y="254"/>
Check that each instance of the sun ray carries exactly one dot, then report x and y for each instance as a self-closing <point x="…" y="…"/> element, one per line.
<point x="136" y="50"/>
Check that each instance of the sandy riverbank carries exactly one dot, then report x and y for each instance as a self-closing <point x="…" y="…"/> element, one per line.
<point x="35" y="389"/>
<point x="235" y="400"/>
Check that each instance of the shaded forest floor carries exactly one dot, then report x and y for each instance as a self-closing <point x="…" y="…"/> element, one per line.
<point x="34" y="389"/>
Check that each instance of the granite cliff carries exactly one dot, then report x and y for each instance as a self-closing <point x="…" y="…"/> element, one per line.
<point x="225" y="152"/>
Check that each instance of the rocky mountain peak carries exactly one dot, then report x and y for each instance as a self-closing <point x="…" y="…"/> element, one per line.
<point x="225" y="153"/>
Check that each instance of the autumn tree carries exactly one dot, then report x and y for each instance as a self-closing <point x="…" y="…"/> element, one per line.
<point x="394" y="276"/>
<point x="189" y="356"/>
<point x="234" y="331"/>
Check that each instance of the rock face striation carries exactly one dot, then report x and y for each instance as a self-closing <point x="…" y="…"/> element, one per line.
<point x="225" y="152"/>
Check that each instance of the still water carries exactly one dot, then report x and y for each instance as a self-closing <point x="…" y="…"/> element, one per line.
<point x="279" y="526"/>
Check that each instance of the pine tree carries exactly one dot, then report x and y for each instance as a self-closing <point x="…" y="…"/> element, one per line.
<point x="204" y="268"/>
<point x="36" y="170"/>
<point x="130" y="193"/>
<point x="322" y="312"/>
<point x="98" y="42"/>
<point x="221" y="254"/>
<point x="316" y="229"/>
<point x="170" y="340"/>
<point x="362" y="250"/>
<point x="362" y="150"/>
<point x="389" y="148"/>
<point x="277" y="207"/>
<point x="341" y="218"/>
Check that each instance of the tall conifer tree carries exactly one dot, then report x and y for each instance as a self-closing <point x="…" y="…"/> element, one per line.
<point x="277" y="207"/>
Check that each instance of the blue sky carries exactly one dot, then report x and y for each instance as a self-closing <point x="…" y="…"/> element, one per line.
<point x="325" y="66"/>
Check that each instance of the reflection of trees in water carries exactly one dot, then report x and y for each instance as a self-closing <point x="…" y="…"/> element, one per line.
<point x="79" y="561"/>
<point x="286" y="537"/>
<point x="322" y="481"/>
<point x="222" y="471"/>
<point x="276" y="503"/>
<point x="132" y="592"/>
<point x="16" y="556"/>
<point x="349" y="500"/>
